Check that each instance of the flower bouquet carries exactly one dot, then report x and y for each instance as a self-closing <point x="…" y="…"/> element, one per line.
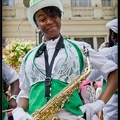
<point x="15" y="50"/>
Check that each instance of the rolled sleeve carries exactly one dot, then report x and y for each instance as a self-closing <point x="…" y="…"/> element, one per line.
<point x="108" y="67"/>
<point x="95" y="75"/>
<point x="102" y="64"/>
<point x="8" y="74"/>
<point x="99" y="61"/>
<point x="22" y="94"/>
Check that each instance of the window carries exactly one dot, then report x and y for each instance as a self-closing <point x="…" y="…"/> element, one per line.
<point x="106" y="3"/>
<point x="8" y="3"/>
<point x="87" y="40"/>
<point x="81" y="3"/>
<point x="5" y="3"/>
<point x="100" y="41"/>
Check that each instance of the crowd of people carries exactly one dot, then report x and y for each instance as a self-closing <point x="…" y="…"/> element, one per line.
<point x="88" y="94"/>
<point x="52" y="65"/>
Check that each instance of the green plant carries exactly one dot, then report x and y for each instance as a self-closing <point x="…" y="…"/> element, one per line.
<point x="15" y="50"/>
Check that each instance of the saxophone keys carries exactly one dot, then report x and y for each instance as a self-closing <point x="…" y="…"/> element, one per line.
<point x="62" y="105"/>
<point x="55" y="117"/>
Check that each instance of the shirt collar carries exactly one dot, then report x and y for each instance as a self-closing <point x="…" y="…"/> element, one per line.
<point x="51" y="43"/>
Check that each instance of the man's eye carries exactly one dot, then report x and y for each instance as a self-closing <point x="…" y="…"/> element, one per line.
<point x="42" y="20"/>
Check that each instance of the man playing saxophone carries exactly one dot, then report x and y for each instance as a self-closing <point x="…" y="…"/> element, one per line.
<point x="54" y="64"/>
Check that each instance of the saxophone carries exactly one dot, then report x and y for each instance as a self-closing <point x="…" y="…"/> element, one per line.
<point x="53" y="106"/>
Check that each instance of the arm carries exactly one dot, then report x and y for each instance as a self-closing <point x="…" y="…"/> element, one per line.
<point x="103" y="45"/>
<point x="95" y="75"/>
<point x="111" y="53"/>
<point x="112" y="82"/>
<point x="20" y="112"/>
<point x="11" y="78"/>
<point x="15" y="87"/>
<point x="14" y="91"/>
<point x="93" y="108"/>
<point x="108" y="69"/>
<point x="111" y="87"/>
<point x="23" y="96"/>
<point x="23" y="103"/>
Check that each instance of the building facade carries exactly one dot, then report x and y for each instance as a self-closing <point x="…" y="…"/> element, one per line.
<point x="83" y="20"/>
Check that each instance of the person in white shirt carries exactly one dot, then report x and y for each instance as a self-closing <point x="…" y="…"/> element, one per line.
<point x="42" y="77"/>
<point x="98" y="90"/>
<point x="109" y="50"/>
<point x="10" y="77"/>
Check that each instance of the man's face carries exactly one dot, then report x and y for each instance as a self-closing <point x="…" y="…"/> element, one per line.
<point x="111" y="43"/>
<point x="95" y="86"/>
<point x="49" y="26"/>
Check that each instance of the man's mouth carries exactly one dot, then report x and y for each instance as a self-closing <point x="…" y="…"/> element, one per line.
<point x="53" y="28"/>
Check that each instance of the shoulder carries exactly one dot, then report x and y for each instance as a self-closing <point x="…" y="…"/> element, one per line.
<point x="80" y="44"/>
<point x="30" y="52"/>
<point x="110" y="52"/>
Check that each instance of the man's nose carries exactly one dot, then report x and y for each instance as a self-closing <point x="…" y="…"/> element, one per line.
<point x="49" y="20"/>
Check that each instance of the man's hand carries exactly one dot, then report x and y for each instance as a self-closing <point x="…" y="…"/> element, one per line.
<point x="92" y="108"/>
<point x="103" y="45"/>
<point x="12" y="103"/>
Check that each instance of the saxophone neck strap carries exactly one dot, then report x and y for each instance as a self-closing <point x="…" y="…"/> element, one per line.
<point x="48" y="67"/>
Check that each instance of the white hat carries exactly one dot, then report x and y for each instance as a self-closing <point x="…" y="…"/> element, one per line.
<point x="113" y="25"/>
<point x="36" y="5"/>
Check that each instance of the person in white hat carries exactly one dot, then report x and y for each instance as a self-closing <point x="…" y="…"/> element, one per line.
<point x="53" y="64"/>
<point x="111" y="52"/>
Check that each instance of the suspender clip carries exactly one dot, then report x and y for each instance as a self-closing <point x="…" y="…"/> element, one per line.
<point x="48" y="82"/>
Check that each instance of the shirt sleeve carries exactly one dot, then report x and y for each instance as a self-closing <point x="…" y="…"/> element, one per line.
<point x="98" y="61"/>
<point x="98" y="92"/>
<point x="95" y="75"/>
<point x="101" y="63"/>
<point x="8" y="74"/>
<point x="111" y="53"/>
<point x="24" y="83"/>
